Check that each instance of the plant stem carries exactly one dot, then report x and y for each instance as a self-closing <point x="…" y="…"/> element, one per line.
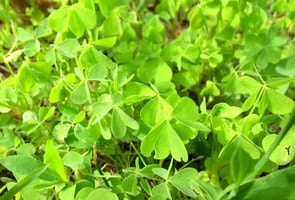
<point x="117" y="160"/>
<point x="97" y="167"/>
<point x="138" y="154"/>
<point x="102" y="175"/>
<point x="10" y="69"/>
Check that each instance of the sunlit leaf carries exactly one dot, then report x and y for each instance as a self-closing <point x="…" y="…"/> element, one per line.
<point x="105" y="43"/>
<point x="278" y="103"/>
<point x="54" y="161"/>
<point x="164" y="140"/>
<point x="284" y="152"/>
<point x="155" y="110"/>
<point x="84" y="138"/>
<point x="138" y="92"/>
<point x="81" y="94"/>
<point x="24" y="35"/>
<point x="97" y="73"/>
<point x="74" y="160"/>
<point x="68" y="48"/>
<point x="129" y="184"/>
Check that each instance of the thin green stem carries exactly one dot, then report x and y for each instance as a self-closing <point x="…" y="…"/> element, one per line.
<point x="116" y="160"/>
<point x="161" y="162"/>
<point x="138" y="154"/>
<point x="94" y="157"/>
<point x="259" y="75"/>
<point x="102" y="175"/>
<point x="257" y="99"/>
<point x="10" y="69"/>
<point x="90" y="121"/>
<point x="191" y="161"/>
<point x="170" y="166"/>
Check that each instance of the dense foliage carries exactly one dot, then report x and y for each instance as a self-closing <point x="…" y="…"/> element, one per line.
<point x="156" y="99"/>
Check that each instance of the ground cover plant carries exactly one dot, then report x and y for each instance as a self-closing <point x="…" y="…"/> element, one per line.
<point x="156" y="99"/>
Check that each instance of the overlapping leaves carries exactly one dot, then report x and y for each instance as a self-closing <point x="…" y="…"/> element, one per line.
<point x="163" y="138"/>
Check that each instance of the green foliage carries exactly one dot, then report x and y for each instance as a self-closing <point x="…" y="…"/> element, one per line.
<point x="169" y="99"/>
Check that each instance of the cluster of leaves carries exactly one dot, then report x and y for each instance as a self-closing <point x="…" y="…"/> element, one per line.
<point x="168" y="99"/>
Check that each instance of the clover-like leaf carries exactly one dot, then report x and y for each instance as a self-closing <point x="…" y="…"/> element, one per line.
<point x="248" y="85"/>
<point x="164" y="140"/>
<point x="161" y="192"/>
<point x="75" y="18"/>
<point x="31" y="73"/>
<point x="57" y="93"/>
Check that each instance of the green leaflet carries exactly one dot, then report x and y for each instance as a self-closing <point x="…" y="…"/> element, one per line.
<point x="74" y="160"/>
<point x="81" y="93"/>
<point x="161" y="191"/>
<point x="155" y="110"/>
<point x="106" y="6"/>
<point x="97" y="73"/>
<point x="83" y="138"/>
<point x="277" y="103"/>
<point x="129" y="184"/>
<point x="183" y="181"/>
<point x="112" y="26"/>
<point x="186" y="112"/>
<point x="8" y="99"/>
<point x="119" y="122"/>
<point x="136" y="92"/>
<point x="53" y="160"/>
<point x="90" y="57"/>
<point x="68" y="48"/>
<point x="284" y="152"/>
<point x="164" y="140"/>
